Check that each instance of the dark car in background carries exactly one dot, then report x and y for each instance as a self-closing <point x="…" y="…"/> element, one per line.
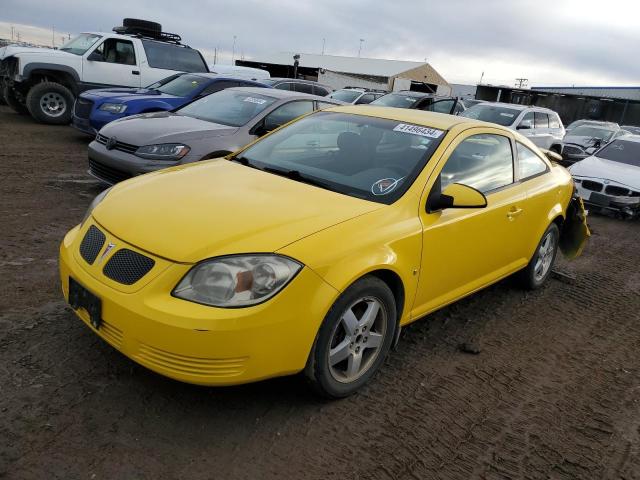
<point x="298" y="85"/>
<point x="210" y="127"/>
<point x="95" y="108"/>
<point x="421" y="101"/>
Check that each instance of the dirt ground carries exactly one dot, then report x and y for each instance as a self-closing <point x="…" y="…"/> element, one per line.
<point x="553" y="394"/>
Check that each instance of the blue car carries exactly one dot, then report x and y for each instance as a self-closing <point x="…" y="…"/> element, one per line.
<point x="95" y="108"/>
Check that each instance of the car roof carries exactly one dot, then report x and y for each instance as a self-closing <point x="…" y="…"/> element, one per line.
<point x="516" y="106"/>
<point x="298" y="80"/>
<point x="440" y="121"/>
<point x="280" y="94"/>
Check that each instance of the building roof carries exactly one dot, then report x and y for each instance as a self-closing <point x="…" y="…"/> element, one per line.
<point x="357" y="65"/>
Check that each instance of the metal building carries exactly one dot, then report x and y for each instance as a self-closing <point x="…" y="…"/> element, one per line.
<point x="339" y="72"/>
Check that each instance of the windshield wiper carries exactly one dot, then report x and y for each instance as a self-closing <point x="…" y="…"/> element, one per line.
<point x="245" y="161"/>
<point x="298" y="177"/>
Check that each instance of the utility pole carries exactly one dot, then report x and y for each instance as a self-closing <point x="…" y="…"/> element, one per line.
<point x="360" y="47"/>
<point x="215" y="55"/>
<point x="53" y="36"/>
<point x="481" y="77"/>
<point x="521" y="82"/>
<point x="323" y="43"/>
<point x="233" y="53"/>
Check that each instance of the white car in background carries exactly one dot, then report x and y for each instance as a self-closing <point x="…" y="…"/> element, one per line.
<point x="356" y="96"/>
<point x="610" y="178"/>
<point x="247" y="73"/>
<point x="540" y="125"/>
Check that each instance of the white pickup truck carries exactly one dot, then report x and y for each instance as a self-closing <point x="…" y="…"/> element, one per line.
<point x="45" y="82"/>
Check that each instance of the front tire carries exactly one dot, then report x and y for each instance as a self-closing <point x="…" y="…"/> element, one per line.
<point x="536" y="273"/>
<point x="50" y="102"/>
<point x="354" y="339"/>
<point x="10" y="97"/>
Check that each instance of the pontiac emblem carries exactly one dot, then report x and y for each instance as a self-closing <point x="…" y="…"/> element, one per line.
<point x="111" y="143"/>
<point x="106" y="251"/>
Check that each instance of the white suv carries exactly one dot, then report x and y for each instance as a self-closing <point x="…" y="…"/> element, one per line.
<point x="356" y="96"/>
<point x="541" y="125"/>
<point x="45" y="82"/>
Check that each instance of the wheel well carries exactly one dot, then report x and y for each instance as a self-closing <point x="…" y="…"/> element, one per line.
<point x="559" y="221"/>
<point x="62" y="78"/>
<point x="218" y="154"/>
<point x="394" y="282"/>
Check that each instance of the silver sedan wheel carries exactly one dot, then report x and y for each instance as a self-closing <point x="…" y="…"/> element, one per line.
<point x="53" y="104"/>
<point x="357" y="339"/>
<point x="546" y="253"/>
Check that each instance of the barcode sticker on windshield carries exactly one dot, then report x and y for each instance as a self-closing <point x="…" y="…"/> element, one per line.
<point x="259" y="101"/>
<point x="416" y="130"/>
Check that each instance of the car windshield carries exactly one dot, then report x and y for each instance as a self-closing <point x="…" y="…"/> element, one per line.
<point x="345" y="95"/>
<point x="228" y="107"/>
<point x="590" y="131"/>
<point x="365" y="157"/>
<point x="180" y="85"/>
<point x="631" y="129"/>
<point x="396" y="100"/>
<point x="621" y="151"/>
<point x="80" y="44"/>
<point x="504" y="116"/>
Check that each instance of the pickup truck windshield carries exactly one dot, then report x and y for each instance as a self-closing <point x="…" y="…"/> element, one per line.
<point x="80" y="44"/>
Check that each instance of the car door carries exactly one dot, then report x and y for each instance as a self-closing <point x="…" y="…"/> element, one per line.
<point x="543" y="137"/>
<point x="112" y="62"/>
<point x="466" y="249"/>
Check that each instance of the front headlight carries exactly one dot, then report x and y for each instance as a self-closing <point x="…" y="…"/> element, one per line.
<point x="237" y="280"/>
<point x="165" y="151"/>
<point x="94" y="203"/>
<point x="113" y="107"/>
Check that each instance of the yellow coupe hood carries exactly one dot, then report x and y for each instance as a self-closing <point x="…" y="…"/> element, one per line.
<point x="220" y="207"/>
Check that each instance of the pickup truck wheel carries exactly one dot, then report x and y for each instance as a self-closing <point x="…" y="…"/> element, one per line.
<point x="50" y="102"/>
<point x="10" y="97"/>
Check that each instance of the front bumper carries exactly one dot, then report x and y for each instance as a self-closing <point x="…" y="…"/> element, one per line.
<point x="195" y="343"/>
<point x="598" y="197"/>
<point x="83" y="125"/>
<point x="113" y="166"/>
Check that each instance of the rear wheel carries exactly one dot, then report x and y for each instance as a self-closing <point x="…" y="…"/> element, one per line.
<point x="50" y="102"/>
<point x="10" y="97"/>
<point x="539" y="268"/>
<point x="354" y="339"/>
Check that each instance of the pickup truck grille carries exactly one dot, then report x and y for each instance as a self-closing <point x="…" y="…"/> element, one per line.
<point x="83" y="108"/>
<point x="123" y="147"/>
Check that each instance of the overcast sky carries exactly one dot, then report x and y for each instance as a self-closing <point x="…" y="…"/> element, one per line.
<point x="550" y="42"/>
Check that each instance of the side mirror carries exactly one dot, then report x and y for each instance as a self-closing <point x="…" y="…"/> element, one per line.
<point x="456" y="195"/>
<point x="551" y="155"/>
<point x="524" y="126"/>
<point x="95" y="56"/>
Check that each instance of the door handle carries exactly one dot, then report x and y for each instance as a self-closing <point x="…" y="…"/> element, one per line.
<point x="135" y="72"/>
<point x="514" y="212"/>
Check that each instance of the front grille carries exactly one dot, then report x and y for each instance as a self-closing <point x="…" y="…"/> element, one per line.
<point x="617" y="191"/>
<point x="591" y="185"/>
<point x="83" y="108"/>
<point x="127" y="266"/>
<point x="123" y="147"/>
<point x="569" y="150"/>
<point x="106" y="173"/>
<point x="92" y="244"/>
<point x="196" y="366"/>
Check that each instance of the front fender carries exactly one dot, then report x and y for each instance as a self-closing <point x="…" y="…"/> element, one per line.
<point x="575" y="231"/>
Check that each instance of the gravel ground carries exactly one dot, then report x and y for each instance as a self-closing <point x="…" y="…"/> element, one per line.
<point x="553" y="393"/>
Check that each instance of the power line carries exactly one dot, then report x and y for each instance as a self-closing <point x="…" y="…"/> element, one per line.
<point x="521" y="82"/>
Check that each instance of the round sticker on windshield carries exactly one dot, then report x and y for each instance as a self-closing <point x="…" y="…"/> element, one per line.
<point x="384" y="186"/>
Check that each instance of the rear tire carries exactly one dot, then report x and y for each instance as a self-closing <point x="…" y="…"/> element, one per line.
<point x="50" y="102"/>
<point x="537" y="272"/>
<point x="354" y="339"/>
<point x="10" y="97"/>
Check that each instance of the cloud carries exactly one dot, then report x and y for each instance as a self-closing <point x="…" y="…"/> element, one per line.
<point x="567" y="42"/>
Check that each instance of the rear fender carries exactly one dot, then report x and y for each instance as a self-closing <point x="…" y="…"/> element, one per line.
<point x="575" y="231"/>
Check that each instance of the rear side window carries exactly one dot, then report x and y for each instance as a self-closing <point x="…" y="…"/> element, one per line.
<point x="366" y="98"/>
<point x="542" y="120"/>
<point x="284" y="86"/>
<point x="304" y="88"/>
<point x="320" y="91"/>
<point x="527" y="120"/>
<point x="529" y="164"/>
<point x="173" y="57"/>
<point x="554" y="121"/>
<point x="484" y="162"/>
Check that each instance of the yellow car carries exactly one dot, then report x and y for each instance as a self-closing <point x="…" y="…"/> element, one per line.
<point x="309" y="249"/>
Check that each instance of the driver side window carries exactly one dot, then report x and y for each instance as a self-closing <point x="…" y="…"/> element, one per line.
<point x="114" y="50"/>
<point x="484" y="162"/>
